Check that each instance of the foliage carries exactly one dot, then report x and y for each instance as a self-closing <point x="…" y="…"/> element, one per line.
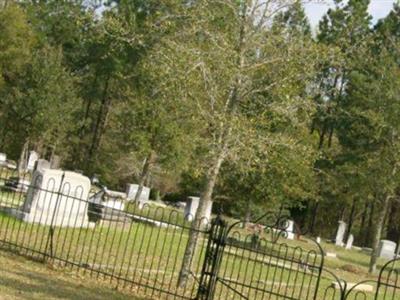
<point x="210" y="98"/>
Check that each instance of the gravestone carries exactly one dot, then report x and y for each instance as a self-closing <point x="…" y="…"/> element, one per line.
<point x="192" y="204"/>
<point x="33" y="157"/>
<point x="131" y="190"/>
<point x="290" y="229"/>
<point x="42" y="164"/>
<point x="331" y="254"/>
<point x="366" y="250"/>
<point x="115" y="204"/>
<point x="57" y="197"/>
<point x="3" y="159"/>
<point x="17" y="184"/>
<point x="386" y="249"/>
<point x="114" y="200"/>
<point x="350" y="241"/>
<point x="354" y="287"/>
<point x="318" y="240"/>
<point x="340" y="234"/>
<point x="55" y="162"/>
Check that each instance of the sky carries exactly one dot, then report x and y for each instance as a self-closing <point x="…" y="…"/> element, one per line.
<point x="315" y="9"/>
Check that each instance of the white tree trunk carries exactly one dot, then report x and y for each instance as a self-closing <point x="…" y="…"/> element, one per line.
<point x="378" y="234"/>
<point x="205" y="199"/>
<point x="145" y="173"/>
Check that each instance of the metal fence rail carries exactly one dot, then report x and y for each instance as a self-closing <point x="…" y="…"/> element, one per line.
<point x="142" y="248"/>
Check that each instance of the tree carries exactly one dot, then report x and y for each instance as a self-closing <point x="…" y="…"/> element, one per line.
<point x="234" y="71"/>
<point x="41" y="106"/>
<point x="344" y="30"/>
<point x="17" y="41"/>
<point x="371" y="128"/>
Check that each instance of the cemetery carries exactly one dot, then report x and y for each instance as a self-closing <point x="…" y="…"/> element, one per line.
<point x="139" y="243"/>
<point x="200" y="150"/>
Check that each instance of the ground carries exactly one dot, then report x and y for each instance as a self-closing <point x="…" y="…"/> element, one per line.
<point x="24" y="279"/>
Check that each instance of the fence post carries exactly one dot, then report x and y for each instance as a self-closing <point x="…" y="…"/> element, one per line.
<point x="212" y="260"/>
<point x="50" y="241"/>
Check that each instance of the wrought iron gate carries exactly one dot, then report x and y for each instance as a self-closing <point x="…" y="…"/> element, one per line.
<point x="251" y="262"/>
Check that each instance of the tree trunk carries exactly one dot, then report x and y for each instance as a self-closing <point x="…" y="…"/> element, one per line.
<point x="23" y="159"/>
<point x="361" y="232"/>
<point x="222" y="150"/>
<point x="87" y="109"/>
<point x="314" y="217"/>
<point x="370" y="224"/>
<point x="148" y="164"/>
<point x="393" y="232"/>
<point x="100" y="123"/>
<point x="205" y="199"/>
<point x="247" y="218"/>
<point x="378" y="233"/>
<point x="158" y="195"/>
<point x="351" y="217"/>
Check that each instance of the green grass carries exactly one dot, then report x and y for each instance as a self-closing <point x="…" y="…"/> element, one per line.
<point x="24" y="279"/>
<point x="149" y="255"/>
<point x="141" y="253"/>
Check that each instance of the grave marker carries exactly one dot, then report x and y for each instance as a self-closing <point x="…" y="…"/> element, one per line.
<point x="191" y="207"/>
<point x="57" y="198"/>
<point x="290" y="229"/>
<point x="33" y="157"/>
<point x="387" y="249"/>
<point x="131" y="190"/>
<point x="42" y="164"/>
<point x="340" y="234"/>
<point x="3" y="159"/>
<point x="350" y="241"/>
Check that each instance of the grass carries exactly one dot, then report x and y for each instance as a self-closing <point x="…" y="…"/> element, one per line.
<point x="140" y="253"/>
<point x="150" y="257"/>
<point x="24" y="279"/>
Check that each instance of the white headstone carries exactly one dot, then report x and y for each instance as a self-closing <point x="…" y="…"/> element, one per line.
<point x="115" y="204"/>
<point x="386" y="249"/>
<point x="3" y="158"/>
<point x="131" y="190"/>
<point x="191" y="207"/>
<point x="45" y="205"/>
<point x="42" y="164"/>
<point x="290" y="229"/>
<point x="318" y="240"/>
<point x="33" y="157"/>
<point x="207" y="214"/>
<point x="340" y="234"/>
<point x="55" y="162"/>
<point x="192" y="203"/>
<point x="350" y="241"/>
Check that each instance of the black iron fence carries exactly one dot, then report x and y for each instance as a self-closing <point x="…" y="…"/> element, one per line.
<point x="141" y="249"/>
<point x="54" y="218"/>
